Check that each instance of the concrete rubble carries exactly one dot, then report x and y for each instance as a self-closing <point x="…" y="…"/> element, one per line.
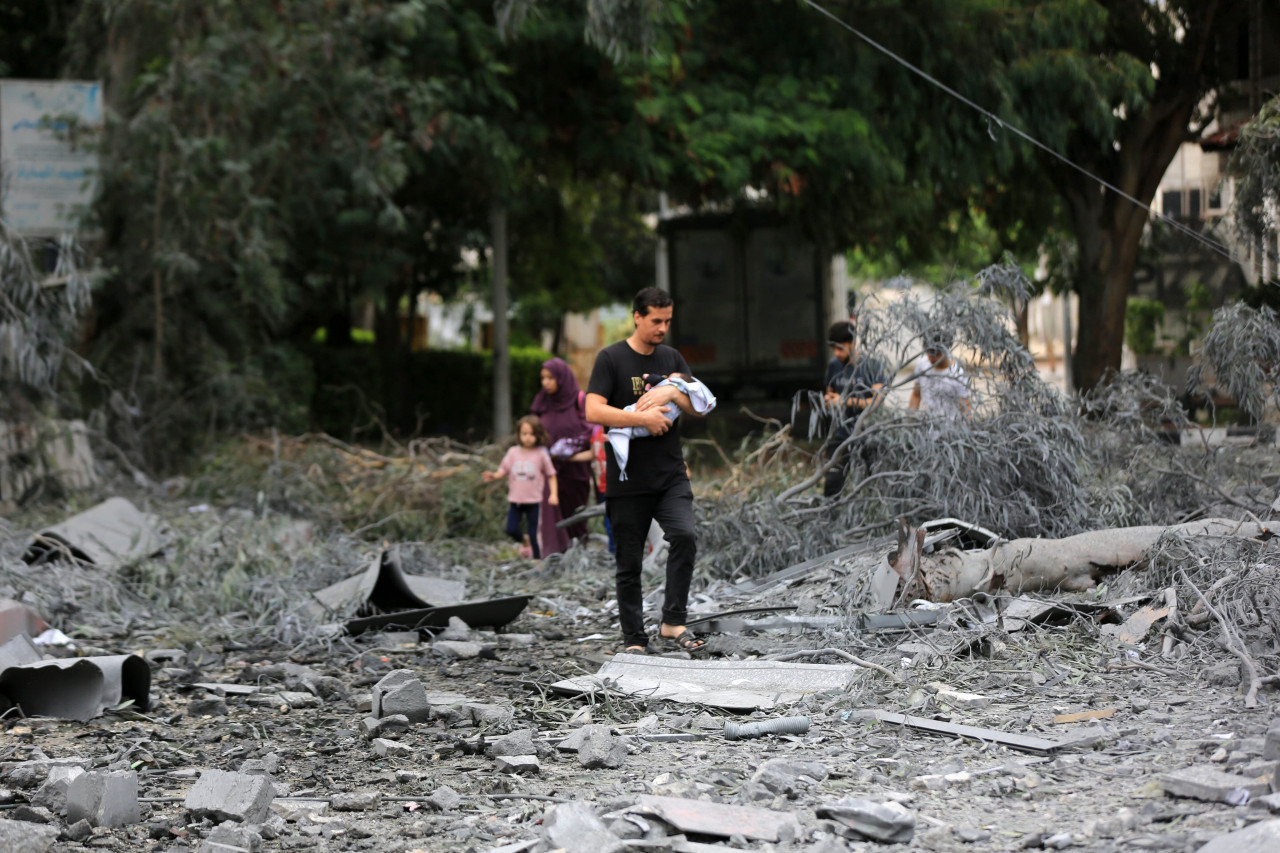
<point x="804" y="730"/>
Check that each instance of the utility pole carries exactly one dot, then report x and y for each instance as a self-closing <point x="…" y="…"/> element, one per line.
<point x="501" y="348"/>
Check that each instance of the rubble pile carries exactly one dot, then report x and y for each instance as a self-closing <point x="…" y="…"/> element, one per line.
<point x="244" y="680"/>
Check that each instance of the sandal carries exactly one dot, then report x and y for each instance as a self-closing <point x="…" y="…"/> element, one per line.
<point x="685" y="641"/>
<point x="633" y="649"/>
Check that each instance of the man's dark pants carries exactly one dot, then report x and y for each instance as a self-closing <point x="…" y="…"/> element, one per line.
<point x="630" y="516"/>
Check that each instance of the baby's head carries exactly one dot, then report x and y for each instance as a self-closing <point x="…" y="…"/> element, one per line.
<point x="531" y="433"/>
<point x="652" y="379"/>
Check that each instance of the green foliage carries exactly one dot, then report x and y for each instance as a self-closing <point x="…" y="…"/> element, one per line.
<point x="1142" y="319"/>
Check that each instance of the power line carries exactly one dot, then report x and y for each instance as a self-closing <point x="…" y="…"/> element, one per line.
<point x="1216" y="246"/>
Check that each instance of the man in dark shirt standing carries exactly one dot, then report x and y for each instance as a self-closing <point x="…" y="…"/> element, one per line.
<point x="657" y="484"/>
<point x="849" y="386"/>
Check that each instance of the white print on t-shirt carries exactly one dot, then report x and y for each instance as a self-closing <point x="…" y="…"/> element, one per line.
<point x="524" y="469"/>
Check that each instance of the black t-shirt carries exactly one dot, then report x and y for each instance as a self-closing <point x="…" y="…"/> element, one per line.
<point x="655" y="463"/>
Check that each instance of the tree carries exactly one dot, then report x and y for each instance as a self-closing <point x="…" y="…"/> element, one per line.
<point x="1160" y="64"/>
<point x="1257" y="160"/>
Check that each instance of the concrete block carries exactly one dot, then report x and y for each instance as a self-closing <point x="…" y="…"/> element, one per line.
<point x="1204" y="782"/>
<point x="372" y="727"/>
<point x="400" y="692"/>
<point x="384" y="748"/>
<point x="522" y="765"/>
<point x="488" y="715"/>
<point x="788" y="776"/>
<point x="17" y="836"/>
<point x="957" y="699"/>
<point x="53" y="793"/>
<point x="104" y="798"/>
<point x="517" y="743"/>
<point x="300" y="699"/>
<point x="221" y="795"/>
<point x="359" y="802"/>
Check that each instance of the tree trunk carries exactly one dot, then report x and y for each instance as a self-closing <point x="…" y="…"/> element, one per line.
<point x="501" y="350"/>
<point x="1024" y="565"/>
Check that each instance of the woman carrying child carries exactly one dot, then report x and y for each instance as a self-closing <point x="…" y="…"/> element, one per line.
<point x="528" y="470"/>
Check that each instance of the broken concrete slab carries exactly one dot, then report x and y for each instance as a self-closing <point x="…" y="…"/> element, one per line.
<point x="221" y="795"/>
<point x="20" y="836"/>
<point x="77" y="688"/>
<point x="708" y="818"/>
<point x="734" y="685"/>
<point x="104" y="798"/>
<point x="230" y="837"/>
<point x="113" y="532"/>
<point x="444" y="799"/>
<point x="384" y="748"/>
<point x="1262" y="837"/>
<point x="888" y="822"/>
<point x="575" y="828"/>
<point x="519" y="742"/>
<point x="1208" y="783"/>
<point x="787" y="776"/>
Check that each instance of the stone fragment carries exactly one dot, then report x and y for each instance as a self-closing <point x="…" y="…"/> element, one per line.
<point x="517" y="743"/>
<point x="456" y="630"/>
<point x="458" y="650"/>
<point x="600" y="749"/>
<point x="888" y="822"/>
<point x="372" y="727"/>
<point x="1059" y="841"/>
<point x="516" y="641"/>
<point x="1225" y="674"/>
<point x="788" y="776"/>
<point x="299" y="699"/>
<point x="30" y="774"/>
<point x="231" y="837"/>
<point x="384" y="748"/>
<point x="1271" y="744"/>
<point x="488" y="715"/>
<point x="444" y="799"/>
<point x="221" y="795"/>
<point x="574" y="741"/>
<point x="296" y="810"/>
<point x="212" y="706"/>
<point x="357" y="802"/>
<point x="957" y="699"/>
<point x="400" y="692"/>
<point x="78" y="831"/>
<point x="268" y="764"/>
<point x="523" y="765"/>
<point x="104" y="798"/>
<point x="1262" y="837"/>
<point x="53" y="793"/>
<point x="1203" y="782"/>
<point x="18" y="836"/>
<point x="575" y="828"/>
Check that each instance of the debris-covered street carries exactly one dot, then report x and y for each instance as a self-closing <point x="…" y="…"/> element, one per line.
<point x="284" y="701"/>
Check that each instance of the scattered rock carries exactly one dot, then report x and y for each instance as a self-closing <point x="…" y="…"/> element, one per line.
<point x="384" y="748"/>
<point x="212" y="706"/>
<point x="599" y="749"/>
<point x="231" y="837"/>
<point x="21" y="837"/>
<point x="517" y="743"/>
<point x="357" y="802"/>
<point x="221" y="795"/>
<point x="788" y="777"/>
<point x="400" y="692"/>
<point x="458" y="650"/>
<point x="456" y="630"/>
<point x="1202" y="782"/>
<point x="1262" y="837"/>
<point x="444" y="799"/>
<point x="523" y="765"/>
<point x="575" y="828"/>
<point x="53" y="793"/>
<point x="888" y="822"/>
<point x="104" y="798"/>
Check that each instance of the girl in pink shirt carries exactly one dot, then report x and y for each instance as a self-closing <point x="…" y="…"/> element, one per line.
<point x="527" y="466"/>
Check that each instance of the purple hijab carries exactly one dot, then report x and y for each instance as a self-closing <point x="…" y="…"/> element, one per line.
<point x="561" y="412"/>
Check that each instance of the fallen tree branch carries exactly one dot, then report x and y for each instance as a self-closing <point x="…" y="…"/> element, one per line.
<point x="1233" y="645"/>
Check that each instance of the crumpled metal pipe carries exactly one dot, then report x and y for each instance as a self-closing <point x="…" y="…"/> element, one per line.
<point x="776" y="726"/>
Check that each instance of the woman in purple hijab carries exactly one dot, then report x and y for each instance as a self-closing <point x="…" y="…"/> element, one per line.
<point x="560" y="406"/>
